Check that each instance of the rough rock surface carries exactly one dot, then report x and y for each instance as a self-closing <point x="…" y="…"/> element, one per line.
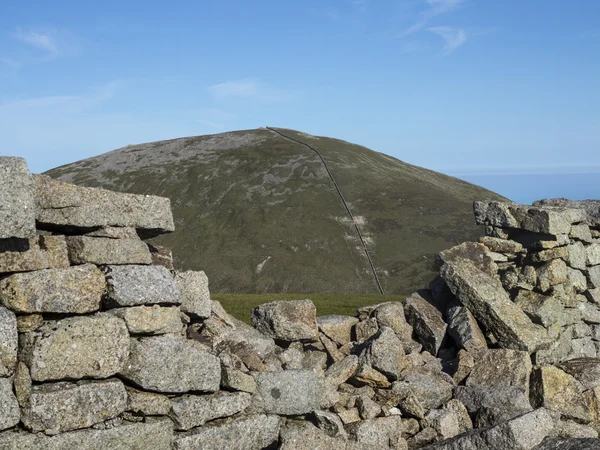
<point x="140" y="285"/>
<point x="17" y="199"/>
<point x="427" y="322"/>
<point x="58" y="407"/>
<point x="9" y="412"/>
<point x="195" y="296"/>
<point x="65" y="206"/>
<point x="293" y="320"/>
<point x="76" y="290"/>
<point x="502" y="368"/>
<point x="100" y="251"/>
<point x="150" y="319"/>
<point x="289" y="393"/>
<point x="337" y="328"/>
<point x="170" y="364"/>
<point x="191" y="411"/>
<point x="465" y="331"/>
<point x="384" y="352"/>
<point x="75" y="348"/>
<point x="9" y="341"/>
<point x="37" y="253"/>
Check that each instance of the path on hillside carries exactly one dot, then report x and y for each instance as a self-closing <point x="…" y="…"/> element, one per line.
<point x="346" y="206"/>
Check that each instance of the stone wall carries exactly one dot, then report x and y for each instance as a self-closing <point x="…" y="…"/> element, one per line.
<point x="103" y="345"/>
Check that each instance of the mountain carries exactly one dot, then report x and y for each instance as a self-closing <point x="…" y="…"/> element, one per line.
<point x="264" y="210"/>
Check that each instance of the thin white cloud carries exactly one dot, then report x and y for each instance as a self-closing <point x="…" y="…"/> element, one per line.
<point x="453" y="38"/>
<point x="50" y="43"/>
<point x="434" y="8"/>
<point x="249" y="89"/>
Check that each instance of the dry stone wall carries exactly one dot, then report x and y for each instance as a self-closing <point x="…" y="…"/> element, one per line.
<point x="103" y="345"/>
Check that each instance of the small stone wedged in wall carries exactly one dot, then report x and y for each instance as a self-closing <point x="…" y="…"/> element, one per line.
<point x="17" y="199"/>
<point x="40" y="252"/>
<point x="66" y="207"/>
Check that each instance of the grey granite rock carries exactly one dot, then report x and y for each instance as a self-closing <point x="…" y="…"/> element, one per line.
<point x="171" y="364"/>
<point x="9" y="412"/>
<point x="551" y="274"/>
<point x="330" y="423"/>
<point x="195" y="296"/>
<point x="236" y="380"/>
<point x="593" y="274"/>
<point x="593" y="254"/>
<point x="431" y="389"/>
<point x="591" y="207"/>
<point x="501" y="368"/>
<point x="465" y="331"/>
<point x="17" y="199"/>
<point x="63" y="406"/>
<point x="381" y="433"/>
<point x="300" y="435"/>
<point x="151" y="320"/>
<point x="76" y="347"/>
<point x="493" y="405"/>
<point x="581" y="232"/>
<point x="63" y="206"/>
<point x="541" y="309"/>
<point x="254" y="432"/>
<point x="147" y="403"/>
<point x="557" y="443"/>
<point x="501" y="245"/>
<point x="576" y="255"/>
<point x="585" y="370"/>
<point x="365" y="329"/>
<point x="428" y="326"/>
<point x="76" y="290"/>
<point x="155" y="434"/>
<point x="391" y="314"/>
<point x="9" y="341"/>
<point x="37" y="253"/>
<point x="114" y="233"/>
<point x="384" y="352"/>
<point x="136" y="285"/>
<point x="101" y="251"/>
<point x="466" y="269"/>
<point x="290" y="392"/>
<point x="293" y="320"/>
<point x="337" y="328"/>
<point x="339" y="372"/>
<point x="190" y="411"/>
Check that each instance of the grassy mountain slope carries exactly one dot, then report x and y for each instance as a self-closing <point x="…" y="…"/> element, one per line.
<point x="259" y="213"/>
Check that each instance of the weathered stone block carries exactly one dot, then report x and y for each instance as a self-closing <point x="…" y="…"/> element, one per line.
<point x="290" y="392"/>
<point x="391" y="314"/>
<point x="236" y="380"/>
<point x="37" y="253"/>
<point x="17" y="199"/>
<point x="464" y="269"/>
<point x="594" y="276"/>
<point x="502" y="368"/>
<point x="301" y="435"/>
<point x="140" y="285"/>
<point x="147" y="403"/>
<point x="428" y="325"/>
<point x="155" y="434"/>
<point x="384" y="352"/>
<point x="293" y="320"/>
<point x="195" y="295"/>
<point x="254" y="432"/>
<point x="77" y="347"/>
<point x="63" y="406"/>
<point x="76" y="290"/>
<point x="9" y="410"/>
<point x="114" y="233"/>
<point x="171" y="364"/>
<point x="65" y="206"/>
<point x="190" y="411"/>
<point x="501" y="245"/>
<point x="337" y="328"/>
<point x="150" y="319"/>
<point x="9" y="341"/>
<point x="431" y="389"/>
<point x="465" y="331"/>
<point x="593" y="254"/>
<point x="101" y="251"/>
<point x="581" y="232"/>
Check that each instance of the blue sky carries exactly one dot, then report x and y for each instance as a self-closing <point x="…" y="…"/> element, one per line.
<point x="460" y="86"/>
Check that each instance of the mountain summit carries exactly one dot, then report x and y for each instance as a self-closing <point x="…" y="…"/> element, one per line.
<point x="277" y="210"/>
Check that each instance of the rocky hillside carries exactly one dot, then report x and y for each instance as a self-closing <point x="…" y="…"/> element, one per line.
<point x="259" y="212"/>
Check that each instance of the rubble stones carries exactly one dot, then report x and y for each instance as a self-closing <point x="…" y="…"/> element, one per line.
<point x="75" y="348"/>
<point x="59" y="407"/>
<point x="140" y="285"/>
<point x="170" y="364"/>
<point x="293" y="320"/>
<point x="76" y="290"/>
<point x="65" y="206"/>
<point x="195" y="296"/>
<point x="17" y="199"/>
<point x="427" y="322"/>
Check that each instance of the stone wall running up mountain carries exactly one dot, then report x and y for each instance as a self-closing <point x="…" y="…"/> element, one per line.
<point x="103" y="345"/>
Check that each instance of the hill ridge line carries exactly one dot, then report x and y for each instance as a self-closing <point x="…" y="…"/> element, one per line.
<point x="346" y="206"/>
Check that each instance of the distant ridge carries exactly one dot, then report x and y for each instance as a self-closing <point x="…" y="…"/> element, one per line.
<point x="262" y="209"/>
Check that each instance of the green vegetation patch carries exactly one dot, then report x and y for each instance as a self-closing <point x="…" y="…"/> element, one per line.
<point x="241" y="305"/>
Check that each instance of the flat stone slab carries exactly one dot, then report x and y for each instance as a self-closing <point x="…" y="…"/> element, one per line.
<point x="155" y="434"/>
<point x="147" y="403"/>
<point x="465" y="331"/>
<point x="9" y="412"/>
<point x="171" y="364"/>
<point x="591" y="207"/>
<point x="17" y="199"/>
<point x="292" y="320"/>
<point x="150" y="320"/>
<point x="195" y="295"/>
<point x="9" y="341"/>
<point x="76" y="290"/>
<point x="465" y="268"/>
<point x="40" y="252"/>
<point x="290" y="392"/>
<point x="77" y="347"/>
<point x="102" y="251"/>
<point x="63" y="406"/>
<point x="426" y="321"/>
<point x="190" y="411"/>
<point x="64" y="206"/>
<point x="255" y="432"/>
<point x="501" y="368"/>
<point x="337" y="328"/>
<point x="140" y="285"/>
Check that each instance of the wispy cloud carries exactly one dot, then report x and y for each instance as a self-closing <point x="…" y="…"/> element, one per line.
<point x="45" y="44"/>
<point x="453" y="38"/>
<point x="249" y="88"/>
<point x="433" y="8"/>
